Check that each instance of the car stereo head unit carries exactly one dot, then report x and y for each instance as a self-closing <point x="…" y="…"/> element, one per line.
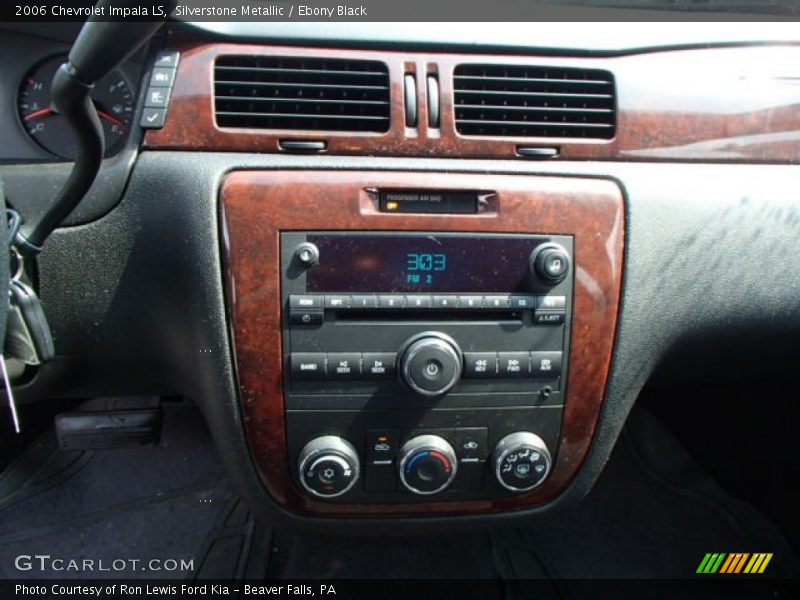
<point x="423" y="363"/>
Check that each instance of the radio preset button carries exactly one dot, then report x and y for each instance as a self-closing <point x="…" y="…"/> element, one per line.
<point x="513" y="364"/>
<point x="363" y="301"/>
<point x="392" y="301"/>
<point x="480" y="364"/>
<point x="337" y="302"/>
<point x="551" y="302"/>
<point x="344" y="365"/>
<point x="546" y="365"/>
<point x="418" y="301"/>
<point x="380" y="365"/>
<point x="307" y="365"/>
<point x="497" y="302"/>
<point x="523" y="302"/>
<point x="445" y="302"/>
<point x="305" y="302"/>
<point x="470" y="302"/>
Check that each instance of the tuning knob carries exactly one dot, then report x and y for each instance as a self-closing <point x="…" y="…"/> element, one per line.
<point x="328" y="466"/>
<point x="427" y="464"/>
<point x="431" y="364"/>
<point x="550" y="262"/>
<point x="521" y="461"/>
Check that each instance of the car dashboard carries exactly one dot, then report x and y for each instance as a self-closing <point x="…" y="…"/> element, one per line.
<point x="415" y="282"/>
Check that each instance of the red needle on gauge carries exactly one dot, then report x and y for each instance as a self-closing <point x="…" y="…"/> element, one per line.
<point x="104" y="115"/>
<point x="43" y="112"/>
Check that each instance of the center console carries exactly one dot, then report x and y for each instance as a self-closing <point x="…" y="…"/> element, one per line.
<point x="412" y="342"/>
<point x="443" y="355"/>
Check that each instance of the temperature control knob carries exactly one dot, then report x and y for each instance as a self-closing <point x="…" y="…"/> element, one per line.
<point x="521" y="461"/>
<point x="431" y="363"/>
<point x="550" y="262"/>
<point x="328" y="466"/>
<point x="427" y="464"/>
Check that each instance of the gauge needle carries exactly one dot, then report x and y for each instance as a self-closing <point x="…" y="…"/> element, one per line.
<point x="104" y="115"/>
<point x="43" y="112"/>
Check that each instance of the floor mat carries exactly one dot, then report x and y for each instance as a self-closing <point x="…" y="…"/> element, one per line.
<point x="166" y="502"/>
<point x="653" y="515"/>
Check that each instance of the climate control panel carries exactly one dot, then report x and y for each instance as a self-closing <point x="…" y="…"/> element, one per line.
<point x="426" y="464"/>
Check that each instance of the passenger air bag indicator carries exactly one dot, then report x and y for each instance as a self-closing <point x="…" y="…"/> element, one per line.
<point x="429" y="201"/>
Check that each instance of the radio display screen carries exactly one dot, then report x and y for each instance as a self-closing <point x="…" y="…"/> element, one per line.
<point x="388" y="263"/>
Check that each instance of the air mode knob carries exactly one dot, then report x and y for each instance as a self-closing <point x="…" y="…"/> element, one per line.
<point x="328" y="466"/>
<point x="427" y="464"/>
<point x="431" y="363"/>
<point x="521" y="461"/>
<point x="550" y="262"/>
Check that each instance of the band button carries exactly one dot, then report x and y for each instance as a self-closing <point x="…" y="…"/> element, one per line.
<point x="307" y="365"/>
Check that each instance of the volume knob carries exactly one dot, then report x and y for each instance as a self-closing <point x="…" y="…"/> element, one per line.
<point x="431" y="364"/>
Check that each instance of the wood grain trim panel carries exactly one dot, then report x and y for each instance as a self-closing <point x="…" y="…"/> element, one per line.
<point x="723" y="105"/>
<point x="257" y="205"/>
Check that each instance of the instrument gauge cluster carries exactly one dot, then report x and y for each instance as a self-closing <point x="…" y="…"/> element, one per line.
<point x="112" y="97"/>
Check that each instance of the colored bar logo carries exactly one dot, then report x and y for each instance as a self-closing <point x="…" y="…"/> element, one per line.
<point x="734" y="563"/>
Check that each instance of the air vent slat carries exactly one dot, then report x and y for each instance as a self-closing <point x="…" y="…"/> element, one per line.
<point x="266" y="92"/>
<point x="312" y="100"/>
<point x="532" y="108"/>
<point x="534" y="101"/>
<point x="295" y="115"/>
<point x="222" y="68"/>
<point x="297" y="84"/>
<point x="531" y="80"/>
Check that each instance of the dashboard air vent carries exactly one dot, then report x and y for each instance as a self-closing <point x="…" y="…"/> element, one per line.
<point x="529" y="101"/>
<point x="269" y="92"/>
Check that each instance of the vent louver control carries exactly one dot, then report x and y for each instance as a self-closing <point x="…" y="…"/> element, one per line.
<point x="531" y="101"/>
<point x="293" y="93"/>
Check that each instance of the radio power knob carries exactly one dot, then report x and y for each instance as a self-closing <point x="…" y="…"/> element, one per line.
<point x="307" y="254"/>
<point x="550" y="262"/>
<point x="328" y="466"/>
<point x="431" y="363"/>
<point x="521" y="461"/>
<point x="427" y="464"/>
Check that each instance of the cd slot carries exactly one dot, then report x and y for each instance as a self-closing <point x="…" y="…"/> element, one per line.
<point x="409" y="314"/>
